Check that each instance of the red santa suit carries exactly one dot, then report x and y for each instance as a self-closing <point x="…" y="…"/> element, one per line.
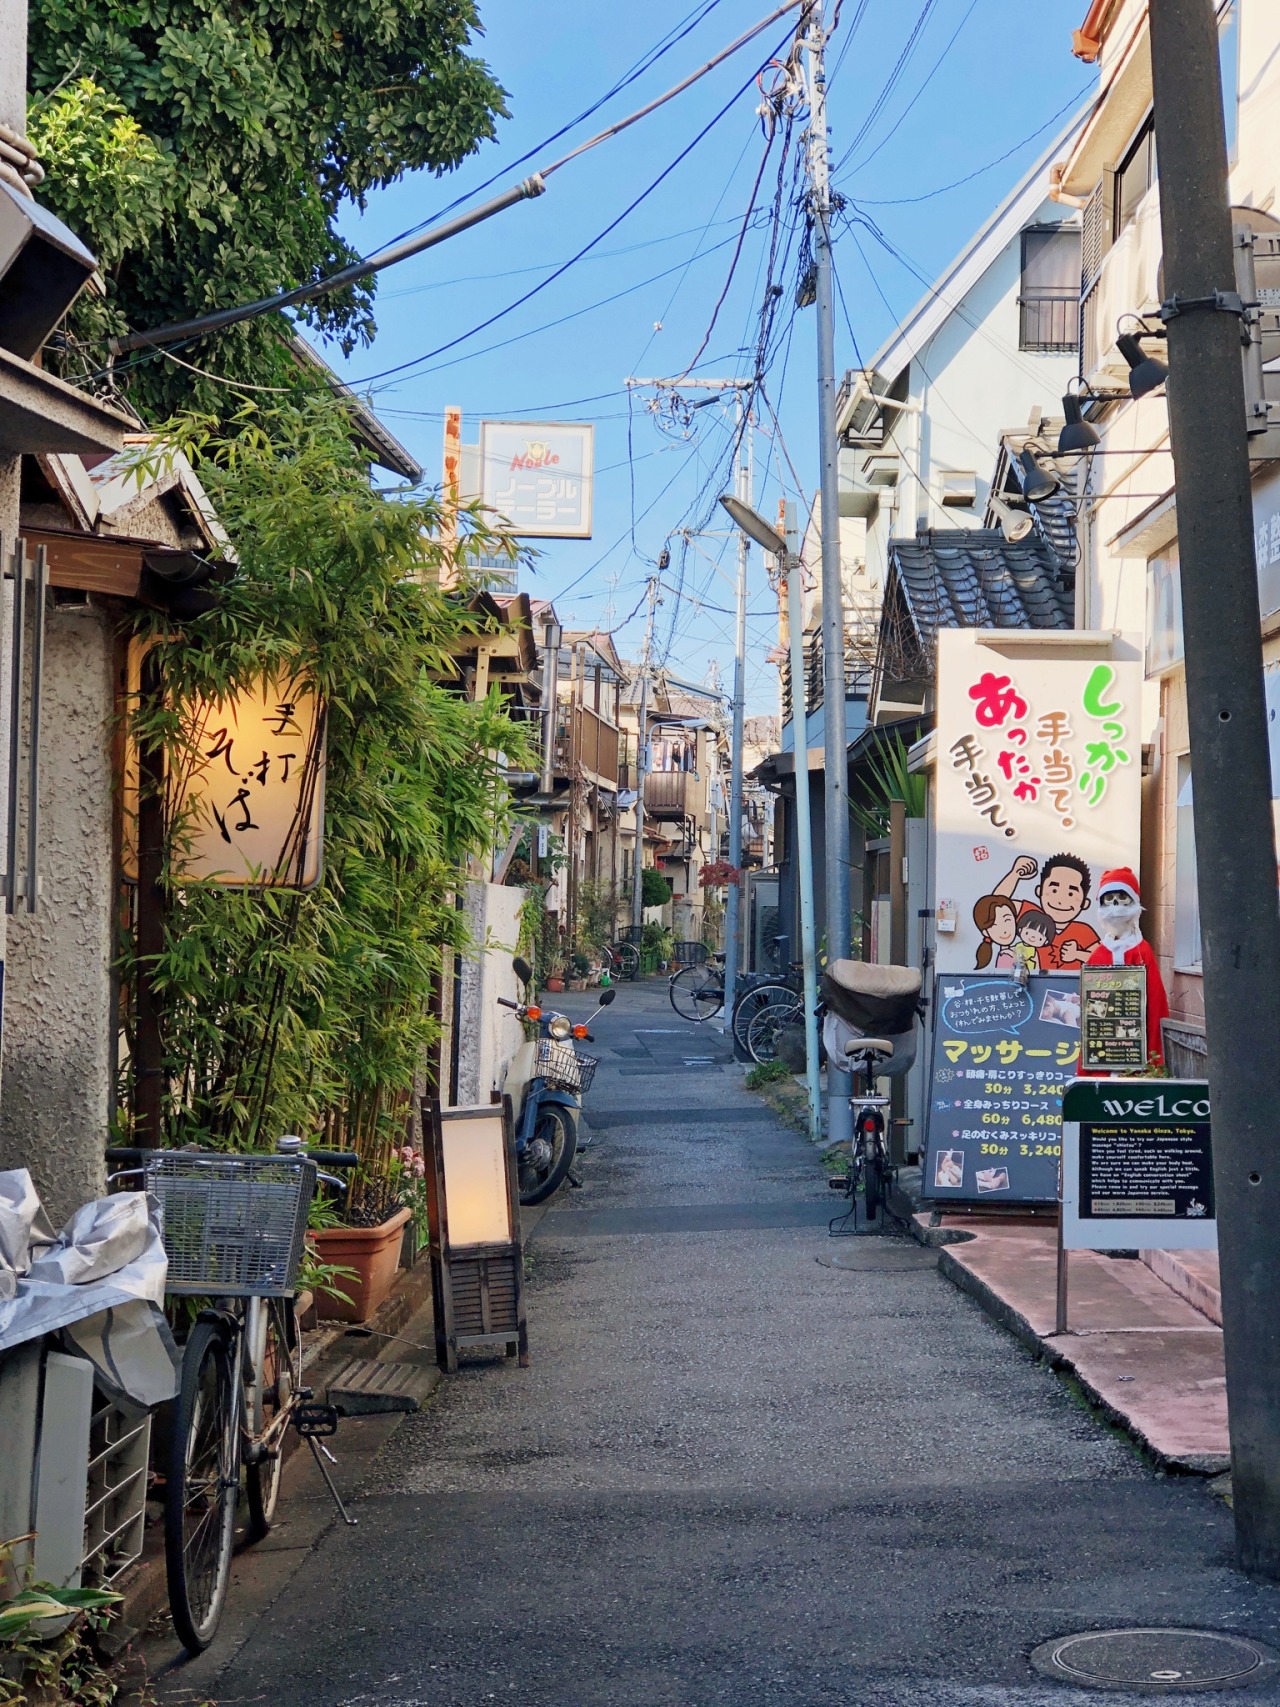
<point x="1122" y="944"/>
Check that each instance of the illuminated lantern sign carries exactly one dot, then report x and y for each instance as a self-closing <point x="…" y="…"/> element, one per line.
<point x="539" y="476"/>
<point x="1039" y="769"/>
<point x="250" y="804"/>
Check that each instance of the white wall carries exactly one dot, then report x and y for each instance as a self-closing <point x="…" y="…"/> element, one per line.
<point x="488" y="1035"/>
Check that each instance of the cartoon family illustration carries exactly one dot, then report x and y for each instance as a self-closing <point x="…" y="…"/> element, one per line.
<point x="1044" y="935"/>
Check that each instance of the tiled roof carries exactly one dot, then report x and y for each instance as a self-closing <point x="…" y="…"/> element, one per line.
<point x="974" y="578"/>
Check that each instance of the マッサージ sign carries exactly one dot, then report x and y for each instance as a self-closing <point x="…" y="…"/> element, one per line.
<point x="1002" y="1054"/>
<point x="1137" y="1166"/>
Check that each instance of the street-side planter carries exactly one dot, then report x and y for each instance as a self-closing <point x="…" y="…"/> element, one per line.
<point x="555" y="984"/>
<point x="374" y="1254"/>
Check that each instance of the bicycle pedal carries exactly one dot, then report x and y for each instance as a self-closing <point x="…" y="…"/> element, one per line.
<point x="315" y="1422"/>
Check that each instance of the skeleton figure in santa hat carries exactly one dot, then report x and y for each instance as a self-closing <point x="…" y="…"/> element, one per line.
<point x="1122" y="944"/>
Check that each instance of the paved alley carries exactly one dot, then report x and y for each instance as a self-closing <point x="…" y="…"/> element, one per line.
<point x="734" y="1472"/>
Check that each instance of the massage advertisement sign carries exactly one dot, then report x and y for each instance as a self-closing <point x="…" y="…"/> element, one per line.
<point x="1039" y="768"/>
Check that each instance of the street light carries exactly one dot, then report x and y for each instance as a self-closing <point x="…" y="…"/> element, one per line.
<point x="1014" y="524"/>
<point x="788" y="560"/>
<point x="755" y="527"/>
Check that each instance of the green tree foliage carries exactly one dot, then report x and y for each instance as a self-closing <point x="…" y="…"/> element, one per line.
<point x="256" y="123"/>
<point x="655" y="891"/>
<point x="308" y="1012"/>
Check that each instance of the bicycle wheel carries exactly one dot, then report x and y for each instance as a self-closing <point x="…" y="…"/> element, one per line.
<point x="549" y="1155"/>
<point x="696" y="993"/>
<point x="768" y="1025"/>
<point x="627" y="960"/>
<point x="751" y="1002"/>
<point x="202" y="1485"/>
<point x="271" y="1386"/>
<point x="873" y="1182"/>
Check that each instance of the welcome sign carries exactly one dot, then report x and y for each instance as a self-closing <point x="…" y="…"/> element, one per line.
<point x="1137" y="1166"/>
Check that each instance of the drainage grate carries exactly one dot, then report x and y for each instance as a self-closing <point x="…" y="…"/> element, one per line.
<point x="1154" y="1660"/>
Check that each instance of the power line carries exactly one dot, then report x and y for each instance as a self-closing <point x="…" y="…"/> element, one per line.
<point x="902" y="116"/>
<point x="890" y="84"/>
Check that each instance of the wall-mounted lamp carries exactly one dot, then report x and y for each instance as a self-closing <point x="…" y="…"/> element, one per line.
<point x="473" y="1208"/>
<point x="1038" y="482"/>
<point x="1146" y="374"/>
<point x="1077" y="436"/>
<point x="1015" y="525"/>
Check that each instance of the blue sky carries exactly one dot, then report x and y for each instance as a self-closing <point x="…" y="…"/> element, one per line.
<point x="980" y="76"/>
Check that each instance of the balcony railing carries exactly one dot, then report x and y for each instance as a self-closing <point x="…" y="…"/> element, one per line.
<point x="672" y="794"/>
<point x="1049" y="320"/>
<point x="587" y="741"/>
<point x="857" y="675"/>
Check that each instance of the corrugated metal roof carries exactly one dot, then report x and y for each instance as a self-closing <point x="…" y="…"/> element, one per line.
<point x="974" y="578"/>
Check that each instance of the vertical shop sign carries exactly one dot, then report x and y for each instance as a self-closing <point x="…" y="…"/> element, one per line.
<point x="248" y="803"/>
<point x="1038" y="792"/>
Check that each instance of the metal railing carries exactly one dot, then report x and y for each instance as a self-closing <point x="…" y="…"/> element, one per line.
<point x="1049" y="320"/>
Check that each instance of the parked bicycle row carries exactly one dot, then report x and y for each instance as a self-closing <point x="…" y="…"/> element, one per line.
<point x="766" y="1005"/>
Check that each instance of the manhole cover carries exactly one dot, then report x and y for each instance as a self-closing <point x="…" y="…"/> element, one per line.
<point x="878" y="1260"/>
<point x="1155" y="1660"/>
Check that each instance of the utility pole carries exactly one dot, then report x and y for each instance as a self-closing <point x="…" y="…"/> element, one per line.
<point x="835" y="739"/>
<point x="1235" y="846"/>
<point x="743" y="486"/>
<point x="642" y="765"/>
<point x="789" y="565"/>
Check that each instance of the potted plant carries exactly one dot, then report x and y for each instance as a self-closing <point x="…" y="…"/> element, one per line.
<point x="362" y="1232"/>
<point x="408" y="1175"/>
<point x="555" y="979"/>
<point x="581" y="966"/>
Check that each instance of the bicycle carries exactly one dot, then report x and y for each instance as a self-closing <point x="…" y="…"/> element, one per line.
<point x="758" y="994"/>
<point x="697" y="992"/>
<point x="768" y="1025"/>
<point x="234" y="1228"/>
<point x="622" y="960"/>
<point x="870" y="1169"/>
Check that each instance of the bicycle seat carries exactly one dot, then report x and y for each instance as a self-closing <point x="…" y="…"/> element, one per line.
<point x="879" y="1046"/>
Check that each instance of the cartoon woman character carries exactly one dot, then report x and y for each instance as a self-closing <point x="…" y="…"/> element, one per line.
<point x="996" y="916"/>
<point x="1034" y="947"/>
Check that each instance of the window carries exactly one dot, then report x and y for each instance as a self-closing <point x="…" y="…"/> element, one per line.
<point x="1186" y="894"/>
<point x="1229" y="61"/>
<point x="1136" y="175"/>
<point x="1050" y="297"/>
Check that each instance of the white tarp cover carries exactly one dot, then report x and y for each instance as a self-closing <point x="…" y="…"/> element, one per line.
<point x="100" y="1280"/>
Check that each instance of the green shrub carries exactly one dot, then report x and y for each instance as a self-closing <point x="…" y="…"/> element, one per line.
<point x="766" y="1073"/>
<point x="655" y="891"/>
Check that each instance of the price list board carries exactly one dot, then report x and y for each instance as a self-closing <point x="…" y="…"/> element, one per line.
<point x="1003" y="1053"/>
<point x="1113" y="1003"/>
<point x="1138" y="1166"/>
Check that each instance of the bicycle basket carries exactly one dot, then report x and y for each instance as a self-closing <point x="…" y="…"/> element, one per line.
<point x="233" y="1226"/>
<point x="560" y="1065"/>
<point x="876" y="1000"/>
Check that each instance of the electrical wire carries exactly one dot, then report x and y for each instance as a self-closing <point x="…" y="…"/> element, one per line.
<point x="890" y="84"/>
<point x="938" y="63"/>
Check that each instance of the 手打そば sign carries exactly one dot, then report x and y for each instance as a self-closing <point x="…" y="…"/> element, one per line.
<point x="1137" y="1166"/>
<point x="1113" y="1019"/>
<point x="248" y="802"/>
<point x="1002" y="1054"/>
<point x="539" y="476"/>
<point x="1039" y="765"/>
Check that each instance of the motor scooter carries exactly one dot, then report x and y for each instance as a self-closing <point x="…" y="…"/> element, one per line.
<point x="546" y="1081"/>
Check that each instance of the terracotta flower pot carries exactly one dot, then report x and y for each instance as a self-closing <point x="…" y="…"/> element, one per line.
<point x="555" y="985"/>
<point x="374" y="1254"/>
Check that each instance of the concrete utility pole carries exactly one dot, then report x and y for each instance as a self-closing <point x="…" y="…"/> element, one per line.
<point x="1235" y="844"/>
<point x="743" y="484"/>
<point x="835" y="739"/>
<point x="642" y="765"/>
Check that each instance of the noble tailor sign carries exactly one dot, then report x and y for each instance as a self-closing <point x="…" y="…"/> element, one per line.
<point x="1137" y="1166"/>
<point x="1039" y="752"/>
<point x="1002" y="1054"/>
<point x="539" y="476"/>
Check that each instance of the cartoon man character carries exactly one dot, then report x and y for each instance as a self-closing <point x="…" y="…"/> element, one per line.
<point x="1063" y="894"/>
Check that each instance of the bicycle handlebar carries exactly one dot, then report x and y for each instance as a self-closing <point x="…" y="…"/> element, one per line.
<point x="506" y="1002"/>
<point x="136" y="1157"/>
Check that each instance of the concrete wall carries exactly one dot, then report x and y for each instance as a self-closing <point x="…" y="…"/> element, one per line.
<point x="58" y="1009"/>
<point x="488" y="1035"/>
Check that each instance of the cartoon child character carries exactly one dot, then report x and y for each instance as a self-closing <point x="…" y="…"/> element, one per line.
<point x="1063" y="894"/>
<point x="1034" y="947"/>
<point x="996" y="916"/>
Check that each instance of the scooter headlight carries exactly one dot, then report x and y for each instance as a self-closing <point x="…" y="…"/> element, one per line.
<point x="560" y="1028"/>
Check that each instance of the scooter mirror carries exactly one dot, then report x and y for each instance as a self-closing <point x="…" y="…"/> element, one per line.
<point x="522" y="969"/>
<point x="607" y="996"/>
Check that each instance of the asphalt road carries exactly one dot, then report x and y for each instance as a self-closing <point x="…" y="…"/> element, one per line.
<point x="732" y="1473"/>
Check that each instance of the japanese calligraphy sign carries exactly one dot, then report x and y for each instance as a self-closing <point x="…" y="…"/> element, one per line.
<point x="1137" y="1166"/>
<point x="539" y="476"/>
<point x="1003" y="1052"/>
<point x="251" y="799"/>
<point x="1039" y="768"/>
